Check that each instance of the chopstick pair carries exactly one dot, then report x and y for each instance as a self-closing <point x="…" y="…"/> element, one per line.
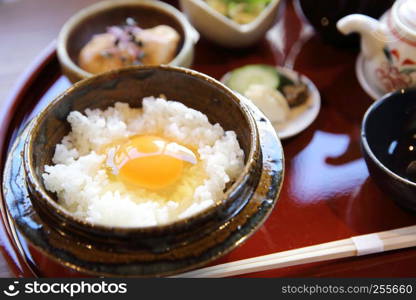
<point x="355" y="246"/>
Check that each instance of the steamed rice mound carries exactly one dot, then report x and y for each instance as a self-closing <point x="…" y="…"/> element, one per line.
<point x="85" y="188"/>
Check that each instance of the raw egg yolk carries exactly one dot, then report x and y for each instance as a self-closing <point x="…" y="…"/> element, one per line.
<point x="149" y="161"/>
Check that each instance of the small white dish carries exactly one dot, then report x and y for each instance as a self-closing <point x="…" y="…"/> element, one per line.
<point x="222" y="30"/>
<point x="373" y="91"/>
<point x="302" y="116"/>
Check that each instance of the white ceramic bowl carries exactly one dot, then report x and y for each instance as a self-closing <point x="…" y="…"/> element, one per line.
<point x="222" y="30"/>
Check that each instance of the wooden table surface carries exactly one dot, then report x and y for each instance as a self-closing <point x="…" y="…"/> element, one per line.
<point x="26" y="28"/>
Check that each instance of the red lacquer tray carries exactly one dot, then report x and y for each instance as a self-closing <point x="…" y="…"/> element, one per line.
<point x="327" y="193"/>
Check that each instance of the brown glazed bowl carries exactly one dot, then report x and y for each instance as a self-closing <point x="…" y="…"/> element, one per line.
<point x="144" y="251"/>
<point x="94" y="19"/>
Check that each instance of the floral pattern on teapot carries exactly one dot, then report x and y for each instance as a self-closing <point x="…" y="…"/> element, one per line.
<point x="395" y="73"/>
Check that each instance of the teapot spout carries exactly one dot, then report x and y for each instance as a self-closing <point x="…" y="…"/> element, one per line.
<point x="372" y="33"/>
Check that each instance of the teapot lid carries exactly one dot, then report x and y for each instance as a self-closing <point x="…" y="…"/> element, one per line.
<point x="407" y="13"/>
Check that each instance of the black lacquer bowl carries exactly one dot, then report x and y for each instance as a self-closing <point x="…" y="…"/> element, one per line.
<point x="144" y="251"/>
<point x="388" y="140"/>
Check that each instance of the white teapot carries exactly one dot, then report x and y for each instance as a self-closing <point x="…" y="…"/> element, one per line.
<point x="388" y="46"/>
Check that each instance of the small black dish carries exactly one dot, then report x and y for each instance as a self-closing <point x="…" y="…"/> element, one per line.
<point x="388" y="143"/>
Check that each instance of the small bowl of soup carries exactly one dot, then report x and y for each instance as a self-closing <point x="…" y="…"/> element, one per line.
<point x="388" y="139"/>
<point x="114" y="34"/>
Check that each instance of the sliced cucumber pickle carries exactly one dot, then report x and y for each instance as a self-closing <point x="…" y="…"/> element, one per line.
<point x="240" y="79"/>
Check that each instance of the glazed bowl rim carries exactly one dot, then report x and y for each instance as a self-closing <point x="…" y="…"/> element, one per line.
<point x="249" y="165"/>
<point x="364" y="141"/>
<point x="190" y="37"/>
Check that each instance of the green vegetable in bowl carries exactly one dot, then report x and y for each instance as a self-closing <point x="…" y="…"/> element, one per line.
<point x="240" y="11"/>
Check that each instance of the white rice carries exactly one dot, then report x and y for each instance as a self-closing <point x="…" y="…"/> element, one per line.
<point x="80" y="180"/>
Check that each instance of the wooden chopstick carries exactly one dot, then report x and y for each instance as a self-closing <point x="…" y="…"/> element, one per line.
<point x="391" y="240"/>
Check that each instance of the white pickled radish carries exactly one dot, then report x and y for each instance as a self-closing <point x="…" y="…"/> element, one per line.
<point x="270" y="101"/>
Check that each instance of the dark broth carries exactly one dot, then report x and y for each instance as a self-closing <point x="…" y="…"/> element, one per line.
<point x="402" y="151"/>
